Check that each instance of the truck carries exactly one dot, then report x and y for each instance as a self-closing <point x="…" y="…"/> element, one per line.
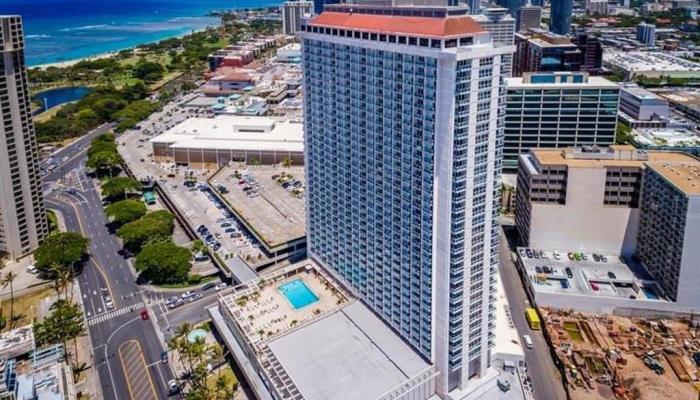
<point x="532" y="318"/>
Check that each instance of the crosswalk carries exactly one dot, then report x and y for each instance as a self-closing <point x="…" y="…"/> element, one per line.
<point x="113" y="314"/>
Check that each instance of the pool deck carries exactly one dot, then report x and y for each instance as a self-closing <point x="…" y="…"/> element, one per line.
<point x="263" y="312"/>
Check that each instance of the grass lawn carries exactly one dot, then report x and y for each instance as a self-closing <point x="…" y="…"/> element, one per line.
<point x="28" y="306"/>
<point x="48" y="114"/>
<point x="162" y="59"/>
<point x="165" y="79"/>
<point x="185" y="285"/>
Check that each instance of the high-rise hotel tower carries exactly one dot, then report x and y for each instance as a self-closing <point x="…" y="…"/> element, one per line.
<point x="23" y="221"/>
<point x="403" y="129"/>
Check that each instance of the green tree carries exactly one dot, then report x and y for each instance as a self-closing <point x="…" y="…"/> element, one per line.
<point x="157" y="225"/>
<point x="125" y="211"/>
<point x="195" y="357"/>
<point x="64" y="323"/>
<point x="148" y="71"/>
<point x="163" y="262"/>
<point x="63" y="248"/>
<point x="623" y="134"/>
<point x="104" y="161"/>
<point x="120" y="187"/>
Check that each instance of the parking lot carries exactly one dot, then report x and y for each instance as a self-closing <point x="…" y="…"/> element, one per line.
<point x="586" y="273"/>
<point x="215" y="225"/>
<point x="270" y="199"/>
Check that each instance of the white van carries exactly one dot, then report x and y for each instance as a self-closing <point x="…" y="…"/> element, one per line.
<point x="528" y="341"/>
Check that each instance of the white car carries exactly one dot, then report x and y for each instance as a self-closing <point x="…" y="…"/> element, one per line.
<point x="32" y="269"/>
<point x="187" y="294"/>
<point x="220" y="286"/>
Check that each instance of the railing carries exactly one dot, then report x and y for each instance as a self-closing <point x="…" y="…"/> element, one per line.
<point x="404" y="390"/>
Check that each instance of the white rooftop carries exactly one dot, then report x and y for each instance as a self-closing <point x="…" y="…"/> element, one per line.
<point x="229" y="132"/>
<point x="638" y="61"/>
<point x="666" y="137"/>
<point x="348" y="355"/>
<point x="594" y="82"/>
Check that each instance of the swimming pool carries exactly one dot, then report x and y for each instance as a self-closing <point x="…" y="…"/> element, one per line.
<point x="298" y="294"/>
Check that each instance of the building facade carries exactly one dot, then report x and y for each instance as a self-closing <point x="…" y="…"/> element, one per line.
<point x="581" y="198"/>
<point x="23" y="223"/>
<point x="591" y="53"/>
<point x="530" y="18"/>
<point x="560" y="18"/>
<point x="403" y="142"/>
<point x="669" y="229"/>
<point x="292" y="12"/>
<point x="553" y="110"/>
<point x="646" y="33"/>
<point x="541" y="51"/>
<point x="641" y="104"/>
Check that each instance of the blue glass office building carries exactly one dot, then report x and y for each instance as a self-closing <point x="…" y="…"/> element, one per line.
<point x="403" y="136"/>
<point x="560" y="19"/>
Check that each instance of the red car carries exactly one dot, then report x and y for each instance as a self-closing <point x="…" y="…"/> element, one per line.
<point x="144" y="315"/>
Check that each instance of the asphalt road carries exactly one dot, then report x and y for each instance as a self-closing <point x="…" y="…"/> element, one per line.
<point x="107" y="273"/>
<point x="546" y="382"/>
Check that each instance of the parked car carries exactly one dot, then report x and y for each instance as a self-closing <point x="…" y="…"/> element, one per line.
<point x="556" y="255"/>
<point x="528" y="341"/>
<point x="220" y="286"/>
<point x="595" y="257"/>
<point x="571" y="256"/>
<point x="528" y="253"/>
<point x="209" y="286"/>
<point x="547" y="270"/>
<point x="32" y="269"/>
<point x="569" y="274"/>
<point x="611" y="275"/>
<point x="187" y="294"/>
<point x="196" y="297"/>
<point x="538" y="270"/>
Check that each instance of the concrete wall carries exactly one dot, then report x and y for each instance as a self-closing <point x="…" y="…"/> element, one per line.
<point x="585" y="223"/>
<point x="689" y="282"/>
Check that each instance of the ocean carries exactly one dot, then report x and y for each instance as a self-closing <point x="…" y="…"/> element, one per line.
<point x="63" y="30"/>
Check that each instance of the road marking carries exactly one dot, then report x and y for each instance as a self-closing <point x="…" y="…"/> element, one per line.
<point x="94" y="260"/>
<point x="134" y="371"/>
<point x="112" y="314"/>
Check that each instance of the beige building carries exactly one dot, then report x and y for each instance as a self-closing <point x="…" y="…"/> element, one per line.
<point x="204" y="142"/>
<point x="584" y="198"/>
<point x="23" y="223"/>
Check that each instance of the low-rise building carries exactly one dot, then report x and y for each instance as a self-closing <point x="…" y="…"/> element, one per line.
<point x="228" y="83"/>
<point x="640" y="108"/>
<point x="202" y="142"/>
<point x="290" y="53"/>
<point x="677" y="138"/>
<point x="650" y="64"/>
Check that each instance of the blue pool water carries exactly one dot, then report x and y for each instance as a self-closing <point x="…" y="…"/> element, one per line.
<point x="53" y="97"/>
<point x="298" y="294"/>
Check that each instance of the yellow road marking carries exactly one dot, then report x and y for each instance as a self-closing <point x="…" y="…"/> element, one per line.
<point x="144" y="368"/>
<point x="94" y="260"/>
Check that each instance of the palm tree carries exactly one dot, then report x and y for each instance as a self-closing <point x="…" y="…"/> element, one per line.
<point x="61" y="280"/>
<point x="9" y="280"/>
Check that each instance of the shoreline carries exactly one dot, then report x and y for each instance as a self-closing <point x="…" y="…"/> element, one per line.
<point x="113" y="53"/>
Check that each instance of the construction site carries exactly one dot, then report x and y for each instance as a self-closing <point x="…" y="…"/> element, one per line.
<point x="613" y="357"/>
